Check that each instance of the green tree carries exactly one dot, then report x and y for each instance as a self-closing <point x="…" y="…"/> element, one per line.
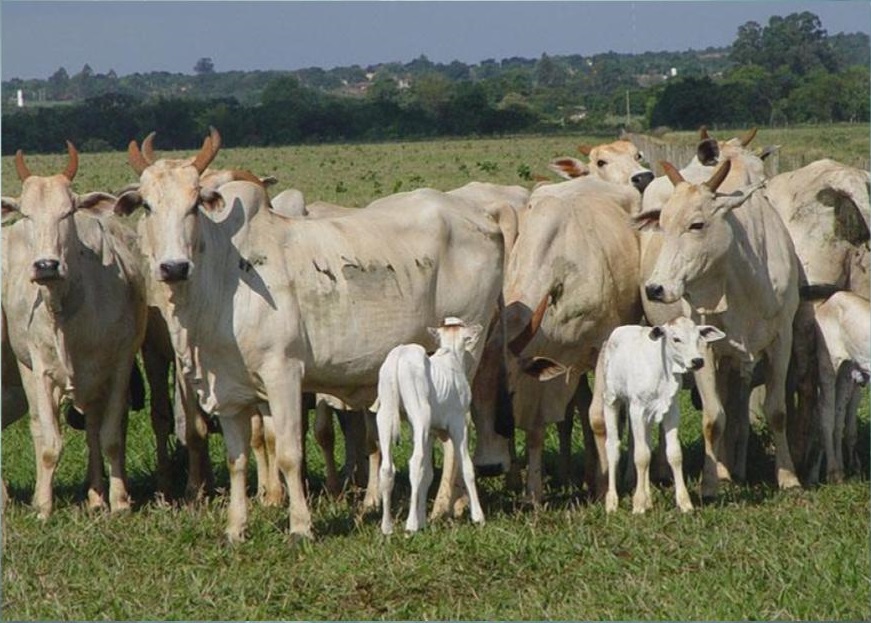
<point x="204" y="66"/>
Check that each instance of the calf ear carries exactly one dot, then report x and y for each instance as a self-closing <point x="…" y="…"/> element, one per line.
<point x="10" y="208"/>
<point x="656" y="333"/>
<point x="211" y="200"/>
<point x="542" y="368"/>
<point x="473" y="334"/>
<point x="568" y="168"/>
<point x="710" y="334"/>
<point x="647" y="221"/>
<point x="99" y="203"/>
<point x="127" y="203"/>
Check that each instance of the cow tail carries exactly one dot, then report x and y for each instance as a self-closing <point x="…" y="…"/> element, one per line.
<point x="388" y="395"/>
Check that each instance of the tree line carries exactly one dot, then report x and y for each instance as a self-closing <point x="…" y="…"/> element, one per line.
<point x="787" y="72"/>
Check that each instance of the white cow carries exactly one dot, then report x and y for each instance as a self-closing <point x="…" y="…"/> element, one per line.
<point x="844" y="358"/>
<point x="619" y="162"/>
<point x="74" y="298"/>
<point x="435" y="394"/>
<point x="641" y="368"/>
<point x="262" y="308"/>
<point x="731" y="260"/>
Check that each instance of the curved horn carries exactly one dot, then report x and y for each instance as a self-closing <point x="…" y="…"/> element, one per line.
<point x="148" y="148"/>
<point x="209" y="150"/>
<point x="20" y="167"/>
<point x="719" y="175"/>
<point x="673" y="174"/>
<point x="703" y="133"/>
<point x="135" y="158"/>
<point x="72" y="163"/>
<point x="521" y="341"/>
<point x="745" y="140"/>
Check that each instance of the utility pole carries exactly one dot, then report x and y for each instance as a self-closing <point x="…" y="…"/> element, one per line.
<point x="627" y="108"/>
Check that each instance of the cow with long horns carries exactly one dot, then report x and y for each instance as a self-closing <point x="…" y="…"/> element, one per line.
<point x="74" y="298"/>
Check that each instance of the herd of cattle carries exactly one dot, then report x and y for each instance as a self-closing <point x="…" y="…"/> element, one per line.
<point x="726" y="280"/>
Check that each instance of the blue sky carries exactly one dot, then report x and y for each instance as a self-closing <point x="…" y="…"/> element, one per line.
<point x="129" y="37"/>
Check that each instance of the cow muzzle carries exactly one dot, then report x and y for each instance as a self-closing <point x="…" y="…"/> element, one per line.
<point x="641" y="180"/>
<point x="654" y="291"/>
<point x="172" y="272"/>
<point x="46" y="271"/>
<point x="697" y="363"/>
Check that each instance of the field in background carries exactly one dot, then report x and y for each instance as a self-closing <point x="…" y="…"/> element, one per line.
<point x="755" y="553"/>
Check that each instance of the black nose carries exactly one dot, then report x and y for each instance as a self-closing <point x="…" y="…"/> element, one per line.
<point x="697" y="364"/>
<point x="654" y="292"/>
<point x="46" y="270"/>
<point x="641" y="180"/>
<point x="174" y="271"/>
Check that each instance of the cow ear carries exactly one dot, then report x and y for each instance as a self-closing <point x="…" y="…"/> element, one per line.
<point x="542" y="368"/>
<point x="710" y="334"/>
<point x="569" y="168"/>
<point x="708" y="152"/>
<point x="723" y="204"/>
<point x="656" y="333"/>
<point x="647" y="221"/>
<point x="97" y="202"/>
<point x="768" y="150"/>
<point x="211" y="200"/>
<point x="127" y="203"/>
<point x="10" y="209"/>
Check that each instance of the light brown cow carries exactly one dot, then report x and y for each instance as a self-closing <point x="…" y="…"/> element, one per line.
<point x="268" y="307"/>
<point x="619" y="162"/>
<point x="731" y="260"/>
<point x="74" y="298"/>
<point x="576" y="251"/>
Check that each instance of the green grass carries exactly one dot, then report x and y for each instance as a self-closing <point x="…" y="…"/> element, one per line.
<point x="756" y="553"/>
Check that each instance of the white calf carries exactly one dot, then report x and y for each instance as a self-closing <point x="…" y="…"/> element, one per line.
<point x="641" y="367"/>
<point x="844" y="357"/>
<point x="435" y="394"/>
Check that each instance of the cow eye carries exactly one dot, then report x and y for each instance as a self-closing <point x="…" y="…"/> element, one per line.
<point x="601" y="163"/>
<point x="639" y="156"/>
<point x="147" y="207"/>
<point x="697" y="225"/>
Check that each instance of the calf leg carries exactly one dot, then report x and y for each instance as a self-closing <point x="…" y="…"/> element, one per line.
<point x="675" y="457"/>
<point x="612" y="450"/>
<point x="388" y="470"/>
<point x="641" y="436"/>
<point x="459" y="435"/>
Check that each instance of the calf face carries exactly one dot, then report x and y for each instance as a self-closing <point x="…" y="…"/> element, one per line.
<point x="685" y="341"/>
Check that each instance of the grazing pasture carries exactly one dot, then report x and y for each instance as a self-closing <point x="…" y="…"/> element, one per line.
<point x="755" y="552"/>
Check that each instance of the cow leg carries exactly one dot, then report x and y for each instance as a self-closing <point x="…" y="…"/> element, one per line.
<point x="447" y="495"/>
<point x="670" y="440"/>
<point x="826" y="402"/>
<point x="237" y="439"/>
<point x="713" y="421"/>
<point x="564" y="430"/>
<point x="641" y="501"/>
<point x="852" y="464"/>
<point x="459" y="434"/>
<point x="534" y="449"/>
<point x="612" y="451"/>
<point x="326" y="439"/>
<point x="157" y="372"/>
<point x="775" y="407"/>
<point x="258" y="449"/>
<point x="113" y="438"/>
<point x="596" y="470"/>
<point x="737" y="432"/>
<point x="96" y="487"/>
<point x="426" y="481"/>
<point x="283" y="381"/>
<point x="47" y="441"/>
<point x="269" y="489"/>
<point x="356" y="465"/>
<point x="370" y="500"/>
<point x="196" y="431"/>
